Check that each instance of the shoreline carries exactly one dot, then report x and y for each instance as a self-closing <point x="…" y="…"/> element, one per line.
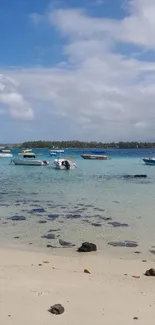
<point x="106" y="295"/>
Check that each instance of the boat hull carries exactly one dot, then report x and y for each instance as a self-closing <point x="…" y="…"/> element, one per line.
<point x="6" y="155"/>
<point x="149" y="161"/>
<point x="94" y="157"/>
<point x="30" y="162"/>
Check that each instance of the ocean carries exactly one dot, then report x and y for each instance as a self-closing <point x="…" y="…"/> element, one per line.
<point x="95" y="202"/>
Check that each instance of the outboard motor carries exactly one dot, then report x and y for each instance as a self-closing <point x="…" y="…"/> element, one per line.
<point x="67" y="164"/>
<point x="45" y="162"/>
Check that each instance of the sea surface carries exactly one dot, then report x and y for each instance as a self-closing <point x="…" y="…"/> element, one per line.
<point x="96" y="202"/>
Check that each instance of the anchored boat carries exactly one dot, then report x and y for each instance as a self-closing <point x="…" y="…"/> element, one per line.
<point x="65" y="163"/>
<point x="28" y="160"/>
<point x="5" y="153"/>
<point x="27" y="152"/>
<point x="149" y="161"/>
<point x="94" y="156"/>
<point x="56" y="152"/>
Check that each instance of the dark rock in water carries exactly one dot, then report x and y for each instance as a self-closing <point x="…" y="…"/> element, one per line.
<point x="87" y="247"/>
<point x="56" y="309"/>
<point x="38" y="210"/>
<point x="53" y="216"/>
<point x="123" y="244"/>
<point x="130" y="244"/>
<point x="51" y="246"/>
<point x="49" y="236"/>
<point x="140" y="176"/>
<point x="152" y="252"/>
<point x="17" y="218"/>
<point x="42" y="221"/>
<point x="65" y="243"/>
<point x="95" y="224"/>
<point x="117" y="244"/>
<point x="51" y="230"/>
<point x="135" y="176"/>
<point x="150" y="272"/>
<point x="118" y="224"/>
<point x="73" y="216"/>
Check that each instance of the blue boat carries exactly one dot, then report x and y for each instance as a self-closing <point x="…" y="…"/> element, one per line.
<point x="149" y="161"/>
<point x="97" y="152"/>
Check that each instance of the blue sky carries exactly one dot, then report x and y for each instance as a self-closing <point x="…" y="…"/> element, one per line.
<point x="22" y="45"/>
<point x="85" y="68"/>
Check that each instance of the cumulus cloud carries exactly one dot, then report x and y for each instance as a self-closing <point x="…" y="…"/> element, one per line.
<point x="103" y="94"/>
<point x="9" y="96"/>
<point x="136" y="28"/>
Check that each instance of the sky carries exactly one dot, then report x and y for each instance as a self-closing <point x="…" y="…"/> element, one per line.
<point x="77" y="70"/>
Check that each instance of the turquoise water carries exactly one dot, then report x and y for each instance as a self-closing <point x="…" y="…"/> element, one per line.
<point x="78" y="201"/>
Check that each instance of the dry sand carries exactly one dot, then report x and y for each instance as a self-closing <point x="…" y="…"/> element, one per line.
<point x="106" y="296"/>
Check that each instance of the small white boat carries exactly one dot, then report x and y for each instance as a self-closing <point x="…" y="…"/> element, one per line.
<point x="30" y="162"/>
<point x="64" y="163"/>
<point x="54" y="152"/>
<point x="5" y="153"/>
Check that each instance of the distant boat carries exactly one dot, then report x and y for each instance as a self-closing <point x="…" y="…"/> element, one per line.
<point x="95" y="156"/>
<point x="97" y="152"/>
<point x="5" y="153"/>
<point x="56" y="151"/>
<point x="149" y="161"/>
<point x="26" y="153"/>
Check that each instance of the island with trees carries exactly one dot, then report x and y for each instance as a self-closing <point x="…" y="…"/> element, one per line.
<point x="83" y="144"/>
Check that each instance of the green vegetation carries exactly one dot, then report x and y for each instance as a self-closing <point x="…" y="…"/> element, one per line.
<point x="82" y="144"/>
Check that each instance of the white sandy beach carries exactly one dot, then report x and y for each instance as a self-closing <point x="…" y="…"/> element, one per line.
<point x="106" y="296"/>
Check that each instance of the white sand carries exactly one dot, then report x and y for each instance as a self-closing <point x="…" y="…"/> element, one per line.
<point x="106" y="296"/>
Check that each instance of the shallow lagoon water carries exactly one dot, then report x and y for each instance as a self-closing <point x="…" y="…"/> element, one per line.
<point x="92" y="202"/>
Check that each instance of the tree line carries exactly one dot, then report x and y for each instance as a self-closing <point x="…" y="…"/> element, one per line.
<point x="84" y="144"/>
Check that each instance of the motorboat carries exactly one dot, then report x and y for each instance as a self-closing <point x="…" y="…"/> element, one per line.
<point x="65" y="163"/>
<point x="94" y="156"/>
<point x="149" y="161"/>
<point x="29" y="162"/>
<point x="5" y="153"/>
<point x="55" y="152"/>
<point x="26" y="152"/>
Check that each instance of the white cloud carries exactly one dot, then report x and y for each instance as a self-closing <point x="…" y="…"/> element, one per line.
<point x="104" y="95"/>
<point x="9" y="96"/>
<point x="136" y="28"/>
